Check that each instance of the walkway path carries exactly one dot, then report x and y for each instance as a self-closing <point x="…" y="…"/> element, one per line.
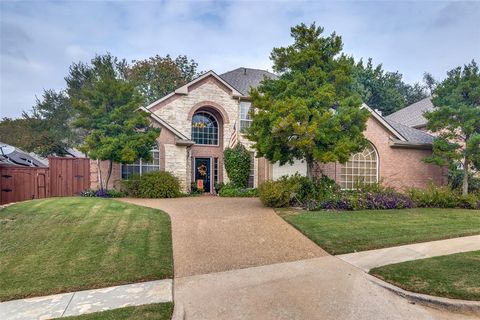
<point x="235" y="259"/>
<point x="367" y="260"/>
<point x="87" y="301"/>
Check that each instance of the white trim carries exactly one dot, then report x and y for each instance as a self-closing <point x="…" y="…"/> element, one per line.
<point x="380" y="119"/>
<point x="184" y="89"/>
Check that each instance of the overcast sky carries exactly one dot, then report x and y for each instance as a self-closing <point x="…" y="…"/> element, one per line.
<point x="39" y="39"/>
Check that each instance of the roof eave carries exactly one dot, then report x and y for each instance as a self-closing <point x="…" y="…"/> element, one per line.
<point x="395" y="143"/>
<point x="380" y="119"/>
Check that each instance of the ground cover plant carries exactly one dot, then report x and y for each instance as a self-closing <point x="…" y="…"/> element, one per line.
<point x="58" y="245"/>
<point x="349" y="231"/>
<point x="231" y="190"/>
<point x="453" y="276"/>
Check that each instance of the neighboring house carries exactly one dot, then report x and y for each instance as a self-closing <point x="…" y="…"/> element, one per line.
<point x="11" y="155"/>
<point x="197" y="121"/>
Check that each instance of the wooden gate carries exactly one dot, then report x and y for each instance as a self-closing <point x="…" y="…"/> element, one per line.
<point x="23" y="183"/>
<point x="68" y="176"/>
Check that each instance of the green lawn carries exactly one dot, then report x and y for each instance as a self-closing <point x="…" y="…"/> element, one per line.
<point x="67" y="244"/>
<point x="350" y="231"/>
<point x="454" y="276"/>
<point x="156" y="311"/>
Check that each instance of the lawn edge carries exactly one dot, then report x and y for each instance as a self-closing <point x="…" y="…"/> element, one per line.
<point x="280" y="214"/>
<point x="454" y="305"/>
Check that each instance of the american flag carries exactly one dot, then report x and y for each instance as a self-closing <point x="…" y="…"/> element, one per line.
<point x="233" y="137"/>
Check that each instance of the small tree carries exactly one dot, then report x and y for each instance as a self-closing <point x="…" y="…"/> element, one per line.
<point x="311" y="112"/>
<point x="107" y="108"/>
<point x="237" y="164"/>
<point x="457" y="120"/>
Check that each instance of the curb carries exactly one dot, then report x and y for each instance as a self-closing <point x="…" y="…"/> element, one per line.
<point x="455" y="305"/>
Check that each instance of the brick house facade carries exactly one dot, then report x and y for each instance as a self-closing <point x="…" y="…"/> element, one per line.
<point x="197" y="121"/>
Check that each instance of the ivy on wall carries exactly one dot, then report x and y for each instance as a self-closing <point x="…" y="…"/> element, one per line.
<point x="237" y="164"/>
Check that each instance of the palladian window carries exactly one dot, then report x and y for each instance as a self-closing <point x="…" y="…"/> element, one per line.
<point x="204" y="128"/>
<point x="142" y="166"/>
<point x="362" y="168"/>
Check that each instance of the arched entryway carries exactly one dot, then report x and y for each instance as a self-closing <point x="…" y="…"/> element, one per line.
<point x="207" y="152"/>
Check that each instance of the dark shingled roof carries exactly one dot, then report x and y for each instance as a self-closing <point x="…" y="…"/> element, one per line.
<point x="412" y="115"/>
<point x="411" y="134"/>
<point x="243" y="79"/>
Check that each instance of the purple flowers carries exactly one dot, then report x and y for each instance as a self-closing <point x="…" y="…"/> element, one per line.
<point x="372" y="201"/>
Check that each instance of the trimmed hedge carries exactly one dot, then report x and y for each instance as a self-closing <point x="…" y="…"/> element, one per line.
<point x="154" y="184"/>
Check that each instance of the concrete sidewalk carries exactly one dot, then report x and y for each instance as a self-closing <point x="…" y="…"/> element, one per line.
<point x="87" y="301"/>
<point x="367" y="260"/>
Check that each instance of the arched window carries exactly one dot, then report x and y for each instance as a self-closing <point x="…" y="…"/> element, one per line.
<point x="142" y="166"/>
<point x="204" y="128"/>
<point x="361" y="168"/>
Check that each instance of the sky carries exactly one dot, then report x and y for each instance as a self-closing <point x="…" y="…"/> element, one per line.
<point x="39" y="40"/>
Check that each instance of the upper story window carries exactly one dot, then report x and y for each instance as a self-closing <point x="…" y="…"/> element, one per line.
<point x="362" y="167"/>
<point x="141" y="166"/>
<point x="204" y="128"/>
<point x="245" y="119"/>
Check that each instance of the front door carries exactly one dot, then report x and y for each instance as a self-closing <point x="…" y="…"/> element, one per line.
<point x="202" y="173"/>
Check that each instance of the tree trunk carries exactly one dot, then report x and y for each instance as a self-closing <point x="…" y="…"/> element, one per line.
<point x="310" y="169"/>
<point x="99" y="173"/>
<point x="465" y="177"/>
<point x="109" y="174"/>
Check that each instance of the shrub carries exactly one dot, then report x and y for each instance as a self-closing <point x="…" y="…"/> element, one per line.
<point x="154" y="184"/>
<point x="303" y="189"/>
<point x="275" y="194"/>
<point x="230" y="190"/>
<point x="237" y="164"/>
<point x="442" y="197"/>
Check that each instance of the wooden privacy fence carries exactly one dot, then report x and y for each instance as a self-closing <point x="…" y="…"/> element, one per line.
<point x="63" y="177"/>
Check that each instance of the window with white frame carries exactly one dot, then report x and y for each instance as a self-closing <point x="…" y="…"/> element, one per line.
<point x="245" y="119"/>
<point x="204" y="128"/>
<point x="361" y="168"/>
<point x="141" y="166"/>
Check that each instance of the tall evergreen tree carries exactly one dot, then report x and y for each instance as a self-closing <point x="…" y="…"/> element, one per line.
<point x="456" y="118"/>
<point x="310" y="112"/>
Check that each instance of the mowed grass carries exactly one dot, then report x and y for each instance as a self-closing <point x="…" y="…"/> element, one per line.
<point x="454" y="276"/>
<point x="67" y="244"/>
<point x="350" y="231"/>
<point x="156" y="311"/>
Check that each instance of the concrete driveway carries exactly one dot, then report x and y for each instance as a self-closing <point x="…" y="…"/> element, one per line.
<point x="212" y="234"/>
<point x="235" y="259"/>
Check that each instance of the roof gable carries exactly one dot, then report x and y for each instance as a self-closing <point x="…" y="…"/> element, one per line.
<point x="184" y="90"/>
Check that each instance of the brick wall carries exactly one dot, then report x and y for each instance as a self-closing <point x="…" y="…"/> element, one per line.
<point x="398" y="167"/>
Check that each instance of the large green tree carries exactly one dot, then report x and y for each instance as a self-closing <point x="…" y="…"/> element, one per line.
<point x="456" y="118"/>
<point x="46" y="129"/>
<point x="107" y="109"/>
<point x="383" y="90"/>
<point x="310" y="112"/>
<point x="157" y="76"/>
